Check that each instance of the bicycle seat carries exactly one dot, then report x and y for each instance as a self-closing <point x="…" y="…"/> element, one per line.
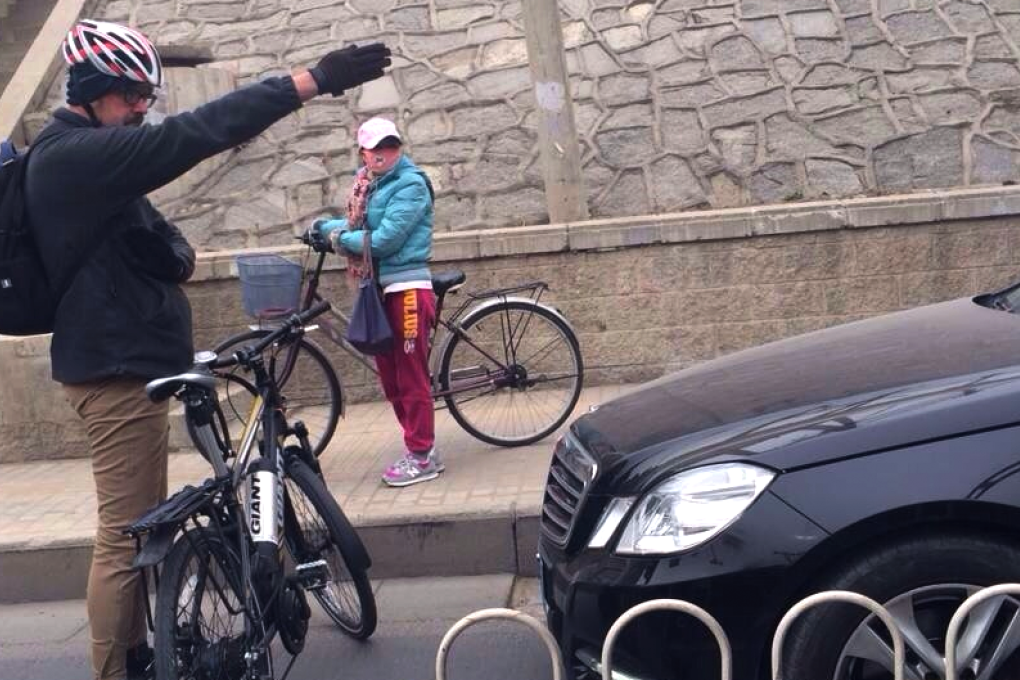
<point x="444" y="282"/>
<point x="162" y="389"/>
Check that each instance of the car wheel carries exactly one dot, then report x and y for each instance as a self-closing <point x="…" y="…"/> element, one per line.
<point x="921" y="581"/>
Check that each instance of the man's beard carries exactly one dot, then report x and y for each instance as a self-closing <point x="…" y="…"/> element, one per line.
<point x="135" y="120"/>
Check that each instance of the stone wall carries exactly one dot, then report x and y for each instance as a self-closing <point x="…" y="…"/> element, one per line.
<point x="646" y="295"/>
<point x="681" y="104"/>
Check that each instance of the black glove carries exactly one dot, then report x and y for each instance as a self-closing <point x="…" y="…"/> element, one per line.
<point x="343" y="69"/>
<point x="149" y="252"/>
<point x="319" y="242"/>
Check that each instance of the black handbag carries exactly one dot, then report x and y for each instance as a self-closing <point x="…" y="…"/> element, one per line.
<point x="369" y="330"/>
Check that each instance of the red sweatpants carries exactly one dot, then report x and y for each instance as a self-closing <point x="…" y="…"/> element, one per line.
<point x="405" y="370"/>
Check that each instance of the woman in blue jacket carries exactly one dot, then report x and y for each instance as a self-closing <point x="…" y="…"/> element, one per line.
<point x="392" y="199"/>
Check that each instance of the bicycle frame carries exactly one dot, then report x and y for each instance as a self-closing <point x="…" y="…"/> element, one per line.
<point x="216" y="504"/>
<point x="311" y="296"/>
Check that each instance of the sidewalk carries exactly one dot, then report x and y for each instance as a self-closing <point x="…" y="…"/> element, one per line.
<point x="480" y="516"/>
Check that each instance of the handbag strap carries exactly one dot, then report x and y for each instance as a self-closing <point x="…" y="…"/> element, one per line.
<point x="366" y="256"/>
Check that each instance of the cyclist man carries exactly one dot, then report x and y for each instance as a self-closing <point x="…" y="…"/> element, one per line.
<point x="123" y="318"/>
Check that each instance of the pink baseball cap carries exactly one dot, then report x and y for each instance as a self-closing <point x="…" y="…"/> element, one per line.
<point x="374" y="130"/>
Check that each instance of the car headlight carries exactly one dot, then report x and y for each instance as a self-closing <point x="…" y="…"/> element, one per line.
<point x="692" y="507"/>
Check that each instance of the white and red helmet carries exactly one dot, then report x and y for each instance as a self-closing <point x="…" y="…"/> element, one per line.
<point x="114" y="50"/>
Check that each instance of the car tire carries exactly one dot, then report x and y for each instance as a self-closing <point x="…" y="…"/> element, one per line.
<point x="922" y="564"/>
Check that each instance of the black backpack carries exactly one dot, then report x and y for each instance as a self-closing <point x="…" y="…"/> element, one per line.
<point x="27" y="302"/>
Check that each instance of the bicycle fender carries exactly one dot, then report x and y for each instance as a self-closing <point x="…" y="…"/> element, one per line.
<point x="156" y="546"/>
<point x="493" y="302"/>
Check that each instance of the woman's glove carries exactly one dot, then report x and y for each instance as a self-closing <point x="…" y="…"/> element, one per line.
<point x="318" y="239"/>
<point x="343" y="69"/>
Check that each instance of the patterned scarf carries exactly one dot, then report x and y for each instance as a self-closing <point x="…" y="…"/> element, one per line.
<point x="357" y="200"/>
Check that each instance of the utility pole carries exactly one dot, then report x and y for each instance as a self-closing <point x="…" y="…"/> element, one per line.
<point x="557" y="133"/>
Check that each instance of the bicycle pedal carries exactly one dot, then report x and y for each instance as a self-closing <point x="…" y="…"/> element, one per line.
<point x="312" y="575"/>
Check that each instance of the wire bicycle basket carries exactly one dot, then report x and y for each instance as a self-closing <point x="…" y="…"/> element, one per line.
<point x="270" y="285"/>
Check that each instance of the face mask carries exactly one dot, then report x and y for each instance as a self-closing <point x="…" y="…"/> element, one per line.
<point x="379" y="161"/>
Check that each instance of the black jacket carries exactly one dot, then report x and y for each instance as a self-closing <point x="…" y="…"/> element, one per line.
<point x="118" y="259"/>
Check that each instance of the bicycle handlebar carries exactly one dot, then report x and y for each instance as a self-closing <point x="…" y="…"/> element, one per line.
<point x="244" y="356"/>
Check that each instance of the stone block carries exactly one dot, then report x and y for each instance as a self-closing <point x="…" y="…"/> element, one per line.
<point x="733" y="337"/>
<point x="872" y="294"/>
<point x="991" y="75"/>
<point x="878" y="57"/>
<point x="786" y="138"/>
<point x="961" y="205"/>
<point x="521" y="207"/>
<point x="815" y="24"/>
<point x="472" y="121"/>
<point x="655" y="53"/>
<point x="813" y="101"/>
<point x="952" y="107"/>
<point x="925" y="288"/>
<point x="768" y="34"/>
<point x="626" y="195"/>
<point x="925" y="160"/>
<point x="747" y="82"/>
<point x="692" y="95"/>
<point x="674" y="186"/>
<point x="588" y="236"/>
<point x="500" y="83"/>
<point x="950" y="51"/>
<point x="627" y="147"/>
<point x="523" y="240"/>
<point x="914" y="27"/>
<point x="988" y="279"/>
<point x="867" y="126"/>
<point x="969" y="18"/>
<point x="624" y="89"/>
<point x="814" y="50"/>
<point x="895" y="255"/>
<point x="441" y="96"/>
<point x="735" y="53"/>
<point x="775" y="183"/>
<point x="832" y="179"/>
<point x="993" y="163"/>
<point x="708" y="226"/>
<point x="863" y="30"/>
<point x="981" y="248"/>
<point x="710" y="305"/>
<point x="745" y="109"/>
<point x="738" y="145"/>
<point x="875" y="212"/>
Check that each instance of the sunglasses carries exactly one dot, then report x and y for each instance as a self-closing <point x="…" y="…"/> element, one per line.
<point x="133" y="95"/>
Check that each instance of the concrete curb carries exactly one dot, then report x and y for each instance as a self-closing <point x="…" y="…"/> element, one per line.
<point x="438" y="546"/>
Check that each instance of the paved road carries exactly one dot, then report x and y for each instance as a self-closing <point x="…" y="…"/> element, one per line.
<point x="47" y="641"/>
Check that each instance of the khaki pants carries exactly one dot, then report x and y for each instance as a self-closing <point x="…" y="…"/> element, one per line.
<point x="128" y="436"/>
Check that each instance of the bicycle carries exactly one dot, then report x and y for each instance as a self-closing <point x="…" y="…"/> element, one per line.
<point x="224" y="589"/>
<point x="508" y="367"/>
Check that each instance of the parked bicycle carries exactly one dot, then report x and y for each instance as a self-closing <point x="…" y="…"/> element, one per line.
<point x="508" y="366"/>
<point x="225" y="590"/>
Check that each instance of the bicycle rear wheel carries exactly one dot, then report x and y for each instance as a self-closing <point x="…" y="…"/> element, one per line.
<point x="317" y="530"/>
<point x="307" y="381"/>
<point x="199" y="618"/>
<point x="515" y="374"/>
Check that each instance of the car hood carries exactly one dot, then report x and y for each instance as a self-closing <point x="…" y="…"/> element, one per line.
<point x="921" y="374"/>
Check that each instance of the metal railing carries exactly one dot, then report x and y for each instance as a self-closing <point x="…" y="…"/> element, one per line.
<point x="722" y="641"/>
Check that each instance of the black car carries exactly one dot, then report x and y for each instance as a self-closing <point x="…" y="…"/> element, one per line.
<point x="879" y="457"/>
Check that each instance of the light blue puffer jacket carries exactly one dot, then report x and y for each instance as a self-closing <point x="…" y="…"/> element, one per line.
<point x="399" y="215"/>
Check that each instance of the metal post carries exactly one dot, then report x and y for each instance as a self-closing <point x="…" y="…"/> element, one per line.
<point x="557" y="133"/>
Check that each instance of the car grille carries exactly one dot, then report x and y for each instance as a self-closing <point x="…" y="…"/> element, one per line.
<point x="570" y="476"/>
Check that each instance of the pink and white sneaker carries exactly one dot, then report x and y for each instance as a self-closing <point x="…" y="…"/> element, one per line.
<point x="413" y="468"/>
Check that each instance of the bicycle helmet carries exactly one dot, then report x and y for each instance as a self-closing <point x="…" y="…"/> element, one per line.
<point x="113" y="50"/>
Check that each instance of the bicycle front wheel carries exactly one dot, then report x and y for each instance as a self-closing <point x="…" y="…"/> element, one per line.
<point x="307" y="381"/>
<point x="513" y="375"/>
<point x="199" y="616"/>
<point x="322" y="540"/>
